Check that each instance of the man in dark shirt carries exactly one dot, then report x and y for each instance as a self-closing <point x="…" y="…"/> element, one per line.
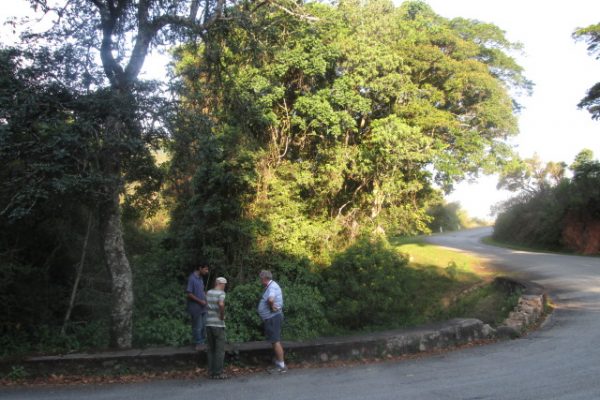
<point x="196" y="304"/>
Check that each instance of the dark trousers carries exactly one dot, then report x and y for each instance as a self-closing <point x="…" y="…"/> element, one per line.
<point x="215" y="349"/>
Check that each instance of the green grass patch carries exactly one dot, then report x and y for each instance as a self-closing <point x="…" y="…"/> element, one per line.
<point x="455" y="284"/>
<point x="459" y="266"/>
<point x="490" y="304"/>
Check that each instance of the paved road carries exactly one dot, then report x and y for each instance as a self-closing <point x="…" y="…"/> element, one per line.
<point x="559" y="361"/>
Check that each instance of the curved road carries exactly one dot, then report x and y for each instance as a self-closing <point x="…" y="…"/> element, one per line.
<point x="559" y="361"/>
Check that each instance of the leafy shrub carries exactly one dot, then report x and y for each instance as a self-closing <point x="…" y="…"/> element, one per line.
<point x="242" y="321"/>
<point x="48" y="339"/>
<point x="160" y="316"/>
<point x="369" y="285"/>
<point x="540" y="218"/>
<point x="172" y="330"/>
<point x="16" y="373"/>
<point x="533" y="220"/>
<point x="303" y="302"/>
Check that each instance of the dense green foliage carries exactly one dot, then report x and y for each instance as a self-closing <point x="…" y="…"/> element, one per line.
<point x="369" y="285"/>
<point x="46" y="193"/>
<point x="297" y="142"/>
<point x="539" y="216"/>
<point x="333" y="127"/>
<point x="159" y="316"/>
<point x="51" y="195"/>
<point x="591" y="35"/>
<point x="304" y="305"/>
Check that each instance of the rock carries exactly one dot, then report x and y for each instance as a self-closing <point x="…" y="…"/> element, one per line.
<point x="507" y="332"/>
<point x="488" y="332"/>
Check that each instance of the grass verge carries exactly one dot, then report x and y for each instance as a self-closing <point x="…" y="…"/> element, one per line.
<point x="458" y="286"/>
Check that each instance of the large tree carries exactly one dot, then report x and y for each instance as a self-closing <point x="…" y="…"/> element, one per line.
<point x="109" y="41"/>
<point x="323" y="128"/>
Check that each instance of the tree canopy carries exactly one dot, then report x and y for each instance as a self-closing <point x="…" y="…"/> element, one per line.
<point x="322" y="128"/>
<point x="591" y="35"/>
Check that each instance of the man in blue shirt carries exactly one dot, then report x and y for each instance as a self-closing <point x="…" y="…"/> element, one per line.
<point x="196" y="304"/>
<point x="270" y="309"/>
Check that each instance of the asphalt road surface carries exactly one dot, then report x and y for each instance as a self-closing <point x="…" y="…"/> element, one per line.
<point x="561" y="360"/>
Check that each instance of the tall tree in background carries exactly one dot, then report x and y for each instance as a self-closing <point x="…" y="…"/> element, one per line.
<point x="591" y="35"/>
<point x="120" y="34"/>
<point x="530" y="175"/>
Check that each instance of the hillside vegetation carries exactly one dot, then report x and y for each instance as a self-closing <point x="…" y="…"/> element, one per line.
<point x="554" y="212"/>
<point x="292" y="139"/>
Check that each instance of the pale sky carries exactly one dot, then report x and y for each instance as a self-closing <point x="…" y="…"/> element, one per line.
<point x="562" y="71"/>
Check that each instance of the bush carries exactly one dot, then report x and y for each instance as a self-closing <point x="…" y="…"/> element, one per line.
<point x="542" y="218"/>
<point x="160" y="316"/>
<point x="533" y="220"/>
<point x="369" y="285"/>
<point x="303" y="303"/>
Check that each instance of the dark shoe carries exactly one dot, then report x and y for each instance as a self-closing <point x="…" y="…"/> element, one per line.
<point x="277" y="370"/>
<point x="200" y="347"/>
<point x="220" y="376"/>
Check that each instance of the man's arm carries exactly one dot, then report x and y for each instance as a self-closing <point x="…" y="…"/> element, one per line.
<point x="222" y="310"/>
<point x="196" y="299"/>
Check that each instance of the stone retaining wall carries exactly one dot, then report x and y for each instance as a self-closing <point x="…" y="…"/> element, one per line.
<point x="452" y="333"/>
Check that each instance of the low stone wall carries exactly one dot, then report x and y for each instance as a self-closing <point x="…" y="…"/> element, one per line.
<point x="452" y="333"/>
<point x="530" y="308"/>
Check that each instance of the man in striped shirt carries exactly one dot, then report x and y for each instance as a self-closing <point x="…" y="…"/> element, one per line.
<point x="215" y="329"/>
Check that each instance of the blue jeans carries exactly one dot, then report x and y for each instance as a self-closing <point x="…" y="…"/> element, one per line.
<point x="199" y="328"/>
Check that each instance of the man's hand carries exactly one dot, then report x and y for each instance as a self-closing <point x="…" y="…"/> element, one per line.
<point x="272" y="305"/>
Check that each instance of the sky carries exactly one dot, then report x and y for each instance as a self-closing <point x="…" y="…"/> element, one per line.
<point x="550" y="124"/>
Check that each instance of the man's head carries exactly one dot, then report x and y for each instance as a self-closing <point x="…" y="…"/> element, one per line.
<point x="202" y="268"/>
<point x="265" y="276"/>
<point x="220" y="283"/>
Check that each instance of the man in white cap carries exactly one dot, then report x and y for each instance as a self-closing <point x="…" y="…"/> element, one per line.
<point x="215" y="329"/>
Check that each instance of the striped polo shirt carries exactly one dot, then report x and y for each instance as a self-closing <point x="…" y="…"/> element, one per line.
<point x="213" y="297"/>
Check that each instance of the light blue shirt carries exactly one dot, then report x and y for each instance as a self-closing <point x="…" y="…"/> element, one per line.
<point x="195" y="286"/>
<point x="272" y="290"/>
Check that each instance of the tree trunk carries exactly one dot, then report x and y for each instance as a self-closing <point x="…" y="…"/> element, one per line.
<point x="121" y="277"/>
